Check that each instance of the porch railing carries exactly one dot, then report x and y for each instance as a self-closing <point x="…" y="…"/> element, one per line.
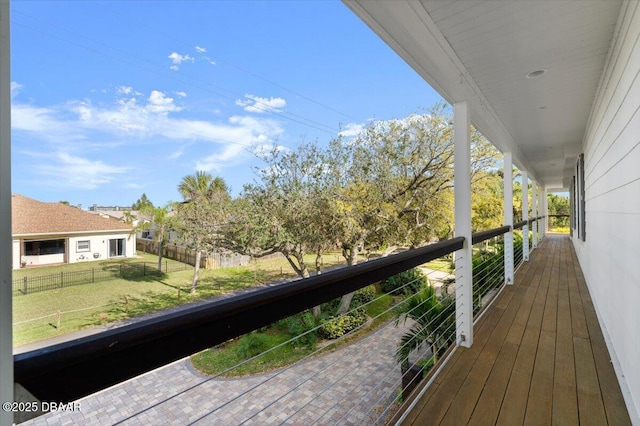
<point x="70" y="370"/>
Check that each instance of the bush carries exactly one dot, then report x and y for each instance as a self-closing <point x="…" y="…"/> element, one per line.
<point x="252" y="344"/>
<point x="299" y="324"/>
<point x="364" y="295"/>
<point x="407" y="282"/>
<point x="339" y="326"/>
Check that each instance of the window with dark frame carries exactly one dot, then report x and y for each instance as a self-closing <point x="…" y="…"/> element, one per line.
<point x="43" y="247"/>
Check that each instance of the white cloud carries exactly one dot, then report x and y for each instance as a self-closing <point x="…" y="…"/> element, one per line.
<point x="200" y="49"/>
<point x="78" y="172"/>
<point x="261" y="105"/>
<point x="351" y="129"/>
<point x="267" y="148"/>
<point x="81" y="127"/>
<point x="224" y="158"/>
<point x="124" y="90"/>
<point x="83" y="144"/>
<point x="158" y="102"/>
<point x="177" y="59"/>
<point x="175" y="155"/>
<point x="182" y="94"/>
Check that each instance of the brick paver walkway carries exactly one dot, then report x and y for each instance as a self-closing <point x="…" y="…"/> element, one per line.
<point x="350" y="385"/>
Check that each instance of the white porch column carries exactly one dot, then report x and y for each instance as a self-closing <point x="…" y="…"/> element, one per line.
<point x="525" y="215"/>
<point x="545" y="212"/>
<point x="534" y="212"/>
<point x="508" y="217"/>
<point x="462" y="185"/>
<point x="6" y="337"/>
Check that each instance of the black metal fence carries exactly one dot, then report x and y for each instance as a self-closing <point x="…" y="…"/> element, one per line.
<point x="134" y="270"/>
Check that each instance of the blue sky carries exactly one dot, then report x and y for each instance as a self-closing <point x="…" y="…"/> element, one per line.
<point x="113" y="99"/>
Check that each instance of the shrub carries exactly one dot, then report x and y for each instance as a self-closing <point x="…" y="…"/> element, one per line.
<point x="339" y="326"/>
<point x="299" y="324"/>
<point x="252" y="344"/>
<point x="407" y="282"/>
<point x="364" y="295"/>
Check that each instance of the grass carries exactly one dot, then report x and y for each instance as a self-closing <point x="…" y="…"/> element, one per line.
<point x="149" y="259"/>
<point x="36" y="315"/>
<point x="222" y="359"/>
<point x="440" y="264"/>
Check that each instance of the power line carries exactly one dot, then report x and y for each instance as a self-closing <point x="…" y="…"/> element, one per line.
<point x="191" y="81"/>
<point x="238" y="67"/>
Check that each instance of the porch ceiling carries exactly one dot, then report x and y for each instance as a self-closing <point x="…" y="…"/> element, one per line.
<point x="482" y="51"/>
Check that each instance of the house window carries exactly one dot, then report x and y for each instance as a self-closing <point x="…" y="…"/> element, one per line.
<point x="39" y="248"/>
<point x="146" y="235"/>
<point x="84" y="245"/>
<point x="116" y="247"/>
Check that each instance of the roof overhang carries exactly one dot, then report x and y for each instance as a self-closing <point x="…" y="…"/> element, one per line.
<point x="482" y="52"/>
<point x="62" y="234"/>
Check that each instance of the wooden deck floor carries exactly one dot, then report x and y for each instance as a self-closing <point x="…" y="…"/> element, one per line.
<point x="538" y="357"/>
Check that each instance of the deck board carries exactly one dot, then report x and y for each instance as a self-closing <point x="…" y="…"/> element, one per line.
<point x="538" y="357"/>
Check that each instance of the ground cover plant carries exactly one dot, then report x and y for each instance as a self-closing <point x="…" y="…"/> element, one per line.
<point x="297" y="337"/>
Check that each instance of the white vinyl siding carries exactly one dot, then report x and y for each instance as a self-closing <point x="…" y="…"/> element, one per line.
<point x="609" y="256"/>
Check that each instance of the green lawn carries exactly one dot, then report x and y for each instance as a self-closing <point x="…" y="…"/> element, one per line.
<point x="88" y="305"/>
<point x="150" y="260"/>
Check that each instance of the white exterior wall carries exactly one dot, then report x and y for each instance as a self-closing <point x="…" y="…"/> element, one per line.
<point x="15" y="249"/>
<point x="98" y="248"/>
<point x="609" y="256"/>
<point x="98" y="245"/>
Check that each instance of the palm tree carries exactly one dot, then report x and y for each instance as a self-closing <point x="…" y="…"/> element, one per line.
<point x="434" y="319"/>
<point x="201" y="212"/>
<point x="160" y="219"/>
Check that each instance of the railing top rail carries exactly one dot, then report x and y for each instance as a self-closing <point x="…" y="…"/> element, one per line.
<point x="70" y="370"/>
<point x="478" y="237"/>
<point x="519" y="225"/>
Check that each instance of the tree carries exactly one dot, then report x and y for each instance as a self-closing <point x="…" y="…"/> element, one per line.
<point x="487" y="201"/>
<point x="202" y="214"/>
<point x="142" y="202"/>
<point x="161" y="221"/>
<point x="558" y="205"/>
<point x="284" y="210"/>
<point x="434" y="323"/>
<point x="390" y="175"/>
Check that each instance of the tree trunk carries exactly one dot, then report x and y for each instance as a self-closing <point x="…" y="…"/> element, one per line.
<point x="386" y="252"/>
<point x="301" y="267"/>
<point x="317" y="310"/>
<point x="160" y="241"/>
<point x="196" y="271"/>
<point x="304" y="271"/>
<point x="351" y="254"/>
<point x="318" y="262"/>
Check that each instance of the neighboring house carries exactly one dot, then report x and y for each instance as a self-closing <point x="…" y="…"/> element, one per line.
<point x="108" y="209"/>
<point x="127" y="216"/>
<point x="53" y="233"/>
